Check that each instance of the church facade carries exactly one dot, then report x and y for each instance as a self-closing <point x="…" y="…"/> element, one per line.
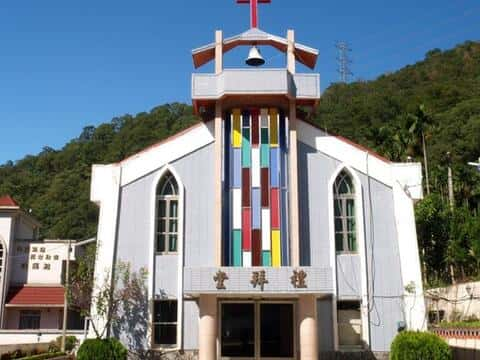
<point x="264" y="236"/>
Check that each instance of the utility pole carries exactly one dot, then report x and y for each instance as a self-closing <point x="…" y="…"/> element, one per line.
<point x="65" y="297"/>
<point x="451" y="201"/>
<point x="343" y="60"/>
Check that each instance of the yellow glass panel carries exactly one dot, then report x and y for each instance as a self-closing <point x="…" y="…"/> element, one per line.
<point x="273" y="127"/>
<point x="237" y="129"/>
<point x="276" y="249"/>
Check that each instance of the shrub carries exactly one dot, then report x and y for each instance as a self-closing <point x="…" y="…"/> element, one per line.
<point x="43" y="356"/>
<point x="70" y="343"/>
<point x="108" y="349"/>
<point x="410" y="345"/>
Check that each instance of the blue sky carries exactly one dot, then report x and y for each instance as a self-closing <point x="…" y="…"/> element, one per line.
<point x="68" y="64"/>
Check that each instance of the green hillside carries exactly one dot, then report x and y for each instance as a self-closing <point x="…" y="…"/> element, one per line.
<point x="439" y="96"/>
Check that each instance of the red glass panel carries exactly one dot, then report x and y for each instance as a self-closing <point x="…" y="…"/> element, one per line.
<point x="257" y="247"/>
<point x="246" y="187"/>
<point x="246" y="229"/>
<point x="275" y="208"/>
<point x="255" y="125"/>
<point x="265" y="186"/>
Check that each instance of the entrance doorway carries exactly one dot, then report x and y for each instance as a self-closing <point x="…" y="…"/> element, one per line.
<point x="257" y="330"/>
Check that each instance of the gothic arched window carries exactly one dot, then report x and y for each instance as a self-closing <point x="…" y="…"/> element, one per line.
<point x="344" y="204"/>
<point x="167" y="198"/>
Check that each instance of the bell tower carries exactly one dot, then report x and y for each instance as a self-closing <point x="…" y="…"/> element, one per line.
<point x="255" y="114"/>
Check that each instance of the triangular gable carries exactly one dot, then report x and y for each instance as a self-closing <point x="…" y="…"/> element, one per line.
<point x="164" y="152"/>
<point x="362" y="159"/>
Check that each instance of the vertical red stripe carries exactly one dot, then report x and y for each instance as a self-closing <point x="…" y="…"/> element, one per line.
<point x="254" y="10"/>
<point x="275" y="208"/>
<point x="255" y="126"/>
<point x="246" y="187"/>
<point x="265" y="185"/>
<point x="246" y="230"/>
<point x="256" y="247"/>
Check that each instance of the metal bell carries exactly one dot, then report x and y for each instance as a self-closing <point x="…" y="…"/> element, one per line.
<point x="254" y="57"/>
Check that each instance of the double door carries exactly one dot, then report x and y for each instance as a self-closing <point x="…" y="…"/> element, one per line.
<point x="257" y="330"/>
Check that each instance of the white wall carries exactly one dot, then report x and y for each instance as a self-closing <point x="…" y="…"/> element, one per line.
<point x="53" y="255"/>
<point x="50" y="318"/>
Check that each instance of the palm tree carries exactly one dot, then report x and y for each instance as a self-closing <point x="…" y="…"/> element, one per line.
<point x="420" y="123"/>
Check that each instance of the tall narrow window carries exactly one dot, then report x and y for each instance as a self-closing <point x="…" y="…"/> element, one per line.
<point x="344" y="204"/>
<point x="165" y="323"/>
<point x="167" y="214"/>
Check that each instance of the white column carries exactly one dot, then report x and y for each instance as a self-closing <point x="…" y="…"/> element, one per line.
<point x="307" y="310"/>
<point x="207" y="336"/>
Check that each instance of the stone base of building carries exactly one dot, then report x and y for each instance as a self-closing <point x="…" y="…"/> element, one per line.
<point x="354" y="355"/>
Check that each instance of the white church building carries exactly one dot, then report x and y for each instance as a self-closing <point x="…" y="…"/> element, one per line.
<point x="264" y="236"/>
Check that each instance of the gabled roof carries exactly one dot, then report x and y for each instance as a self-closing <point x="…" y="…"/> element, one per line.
<point x="35" y="296"/>
<point x="8" y="201"/>
<point x="303" y="54"/>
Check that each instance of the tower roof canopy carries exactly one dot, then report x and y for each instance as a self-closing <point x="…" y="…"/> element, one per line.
<point x="303" y="54"/>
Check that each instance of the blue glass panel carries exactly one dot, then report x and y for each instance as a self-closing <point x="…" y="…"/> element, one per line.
<point x="246" y="119"/>
<point x="274" y="167"/>
<point x="256" y="209"/>
<point x="237" y="168"/>
<point x="284" y="228"/>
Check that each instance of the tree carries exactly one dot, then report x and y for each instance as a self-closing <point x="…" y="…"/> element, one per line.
<point x="122" y="295"/>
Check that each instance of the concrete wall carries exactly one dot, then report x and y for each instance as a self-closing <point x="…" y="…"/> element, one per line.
<point x="384" y="272"/>
<point x="466" y="307"/>
<point x="134" y="241"/>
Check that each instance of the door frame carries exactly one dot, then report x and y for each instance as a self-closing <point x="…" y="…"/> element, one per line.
<point x="257" y="310"/>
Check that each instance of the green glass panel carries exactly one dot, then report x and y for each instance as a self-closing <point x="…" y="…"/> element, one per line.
<point x="161" y="225"/>
<point x="339" y="241"/>
<point x="246" y="149"/>
<point x="161" y="242"/>
<point x="266" y="258"/>
<point x="351" y="224"/>
<point x="350" y="207"/>
<point x="172" y="243"/>
<point x="338" y="207"/>
<point x="161" y="208"/>
<point x="352" y="242"/>
<point x="173" y="208"/>
<point x="338" y="224"/>
<point x="264" y="155"/>
<point x="264" y="136"/>
<point x="173" y="226"/>
<point x="237" y="248"/>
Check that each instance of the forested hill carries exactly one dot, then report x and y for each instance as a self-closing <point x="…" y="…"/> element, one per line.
<point x="55" y="183"/>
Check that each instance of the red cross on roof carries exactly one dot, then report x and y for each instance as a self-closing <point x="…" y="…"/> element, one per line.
<point x="253" y="10"/>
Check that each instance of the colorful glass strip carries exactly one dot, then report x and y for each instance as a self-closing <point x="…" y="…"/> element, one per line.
<point x="256" y="169"/>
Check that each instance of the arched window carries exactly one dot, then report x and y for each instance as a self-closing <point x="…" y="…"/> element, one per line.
<point x="344" y="204"/>
<point x="167" y="214"/>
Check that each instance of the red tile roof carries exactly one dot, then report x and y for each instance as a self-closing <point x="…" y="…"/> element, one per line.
<point x="7" y="200"/>
<point x="35" y="295"/>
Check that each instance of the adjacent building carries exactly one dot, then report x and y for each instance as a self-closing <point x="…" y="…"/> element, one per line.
<point x="31" y="279"/>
